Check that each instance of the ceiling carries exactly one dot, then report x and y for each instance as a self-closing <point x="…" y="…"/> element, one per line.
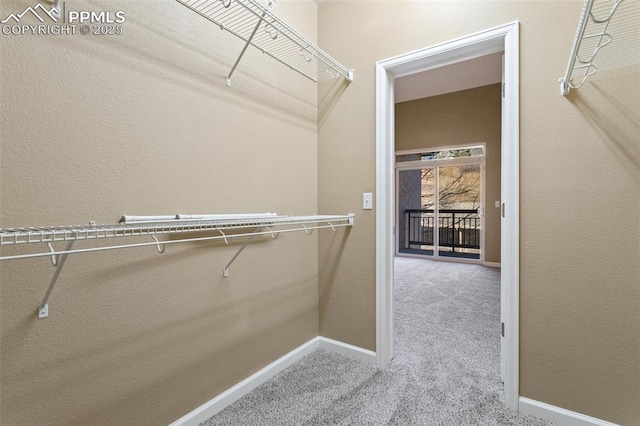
<point x="464" y="75"/>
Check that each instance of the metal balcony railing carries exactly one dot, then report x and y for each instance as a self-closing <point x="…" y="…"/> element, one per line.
<point x="457" y="228"/>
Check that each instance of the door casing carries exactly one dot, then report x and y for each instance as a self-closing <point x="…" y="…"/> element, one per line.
<point x="504" y="38"/>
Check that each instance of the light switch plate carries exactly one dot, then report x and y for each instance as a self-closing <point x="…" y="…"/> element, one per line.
<point x="367" y="201"/>
<point x="497" y="204"/>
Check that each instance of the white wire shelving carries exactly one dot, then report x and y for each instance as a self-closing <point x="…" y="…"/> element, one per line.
<point x="207" y="227"/>
<point x="602" y="22"/>
<point x="257" y="26"/>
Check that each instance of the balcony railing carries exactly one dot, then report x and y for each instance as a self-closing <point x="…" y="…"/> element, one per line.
<point x="457" y="228"/>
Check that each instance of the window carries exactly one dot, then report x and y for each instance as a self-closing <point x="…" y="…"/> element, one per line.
<point x="443" y="154"/>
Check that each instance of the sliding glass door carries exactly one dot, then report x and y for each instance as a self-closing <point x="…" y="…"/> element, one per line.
<point x="459" y="211"/>
<point x="439" y="196"/>
<point x="416" y="199"/>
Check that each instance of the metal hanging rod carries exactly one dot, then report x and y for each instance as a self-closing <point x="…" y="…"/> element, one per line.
<point x="225" y="227"/>
<point x="597" y="28"/>
<point x="257" y="26"/>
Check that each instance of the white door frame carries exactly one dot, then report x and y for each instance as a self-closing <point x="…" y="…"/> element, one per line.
<point x="503" y="38"/>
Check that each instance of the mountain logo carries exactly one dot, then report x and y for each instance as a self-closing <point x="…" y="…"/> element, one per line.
<point x="51" y="13"/>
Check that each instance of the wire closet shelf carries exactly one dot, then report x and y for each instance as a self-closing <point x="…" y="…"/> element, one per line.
<point x="601" y="23"/>
<point x="257" y="26"/>
<point x="207" y="227"/>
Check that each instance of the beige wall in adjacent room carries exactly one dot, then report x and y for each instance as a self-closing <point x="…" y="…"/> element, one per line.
<point x="580" y="195"/>
<point x="460" y="118"/>
<point x="93" y="127"/>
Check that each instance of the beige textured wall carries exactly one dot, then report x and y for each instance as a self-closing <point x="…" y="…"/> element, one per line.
<point x="580" y="195"/>
<point x="459" y="118"/>
<point x="143" y="123"/>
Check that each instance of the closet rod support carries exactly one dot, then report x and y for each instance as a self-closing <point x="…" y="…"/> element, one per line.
<point x="225" y="271"/>
<point x="159" y="246"/>
<point x="226" y="239"/>
<point x="244" y="49"/>
<point x="274" y="234"/>
<point x="54" y="257"/>
<point x="43" y="309"/>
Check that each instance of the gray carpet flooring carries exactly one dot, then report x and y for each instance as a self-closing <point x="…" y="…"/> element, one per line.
<point x="445" y="371"/>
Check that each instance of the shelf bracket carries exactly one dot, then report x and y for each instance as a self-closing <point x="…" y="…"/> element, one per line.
<point x="225" y="272"/>
<point x="244" y="49"/>
<point x="43" y="309"/>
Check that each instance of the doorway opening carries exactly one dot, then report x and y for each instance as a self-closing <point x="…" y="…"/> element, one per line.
<point x="505" y="39"/>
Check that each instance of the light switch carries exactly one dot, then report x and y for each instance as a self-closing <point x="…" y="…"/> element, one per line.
<point x="497" y="204"/>
<point x="367" y="201"/>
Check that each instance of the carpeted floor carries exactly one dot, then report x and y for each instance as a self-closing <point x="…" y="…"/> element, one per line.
<point x="445" y="372"/>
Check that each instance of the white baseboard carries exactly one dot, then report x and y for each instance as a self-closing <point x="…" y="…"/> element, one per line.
<point x="233" y="394"/>
<point x="347" y="350"/>
<point x="558" y="415"/>
<point x="491" y="264"/>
